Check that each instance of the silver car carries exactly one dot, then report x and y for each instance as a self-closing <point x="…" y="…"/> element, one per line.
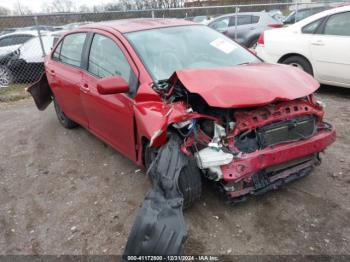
<point x="249" y="26"/>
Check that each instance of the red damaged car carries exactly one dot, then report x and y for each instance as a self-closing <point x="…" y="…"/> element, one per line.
<point x="246" y="125"/>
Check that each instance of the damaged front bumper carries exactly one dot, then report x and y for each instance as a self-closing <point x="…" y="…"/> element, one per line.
<point x="268" y="169"/>
<point x="249" y="164"/>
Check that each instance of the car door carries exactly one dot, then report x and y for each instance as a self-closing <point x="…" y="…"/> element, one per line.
<point x="330" y="50"/>
<point x="65" y="75"/>
<point x="111" y="116"/>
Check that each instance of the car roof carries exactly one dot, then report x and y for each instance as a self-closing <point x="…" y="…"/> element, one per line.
<point x="138" y="24"/>
<point x="320" y="15"/>
<point x="243" y="13"/>
<point x="33" y="33"/>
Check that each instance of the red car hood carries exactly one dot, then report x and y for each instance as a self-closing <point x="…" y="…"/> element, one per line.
<point x="247" y="85"/>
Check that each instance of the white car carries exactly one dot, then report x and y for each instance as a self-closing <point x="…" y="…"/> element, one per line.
<point x="25" y="64"/>
<point x="319" y="44"/>
<point x="11" y="42"/>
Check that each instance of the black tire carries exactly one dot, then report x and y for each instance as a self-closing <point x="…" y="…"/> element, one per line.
<point x="190" y="180"/>
<point x="6" y="77"/>
<point x="300" y="62"/>
<point x="190" y="184"/>
<point x="62" y="118"/>
<point x="253" y="43"/>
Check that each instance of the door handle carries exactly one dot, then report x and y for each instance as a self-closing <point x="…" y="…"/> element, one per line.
<point x="85" y="88"/>
<point x="52" y="72"/>
<point x="318" y="43"/>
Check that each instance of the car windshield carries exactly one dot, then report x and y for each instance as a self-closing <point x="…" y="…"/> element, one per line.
<point x="165" y="50"/>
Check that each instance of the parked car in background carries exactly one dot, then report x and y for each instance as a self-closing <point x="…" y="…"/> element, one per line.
<point x="10" y="42"/>
<point x="249" y="26"/>
<point x="6" y="31"/>
<point x="320" y="45"/>
<point x="245" y="125"/>
<point x="202" y="19"/>
<point x="72" y="26"/>
<point x="277" y="14"/>
<point x="300" y="14"/>
<point x="40" y="27"/>
<point x="26" y="63"/>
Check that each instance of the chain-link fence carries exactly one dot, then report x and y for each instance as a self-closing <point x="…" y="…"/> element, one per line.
<point x="25" y="40"/>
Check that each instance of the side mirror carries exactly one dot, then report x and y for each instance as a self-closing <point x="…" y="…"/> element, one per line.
<point x="112" y="85"/>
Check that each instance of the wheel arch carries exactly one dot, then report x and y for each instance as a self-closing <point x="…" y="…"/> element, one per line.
<point x="254" y="36"/>
<point x="284" y="57"/>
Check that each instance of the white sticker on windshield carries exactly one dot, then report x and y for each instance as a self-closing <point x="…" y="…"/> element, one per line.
<point x="223" y="45"/>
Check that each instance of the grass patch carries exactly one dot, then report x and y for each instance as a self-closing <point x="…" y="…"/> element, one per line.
<point x="13" y="92"/>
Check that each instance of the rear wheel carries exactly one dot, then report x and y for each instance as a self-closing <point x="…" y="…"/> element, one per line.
<point x="62" y="118"/>
<point x="253" y="43"/>
<point x="300" y="62"/>
<point x="190" y="180"/>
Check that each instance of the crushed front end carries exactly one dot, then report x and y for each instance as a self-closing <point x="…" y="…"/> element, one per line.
<point x="249" y="137"/>
<point x="253" y="150"/>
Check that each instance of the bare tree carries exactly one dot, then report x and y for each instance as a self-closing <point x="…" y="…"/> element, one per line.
<point x="63" y="6"/>
<point x="46" y="8"/>
<point x="119" y="5"/>
<point x="20" y="9"/>
<point x="157" y="4"/>
<point x="4" y="11"/>
<point x="84" y="9"/>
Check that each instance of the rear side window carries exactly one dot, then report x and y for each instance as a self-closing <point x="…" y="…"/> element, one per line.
<point x="241" y="20"/>
<point x="312" y="27"/>
<point x="71" y="49"/>
<point x="106" y="59"/>
<point x="255" y="19"/>
<point x="338" y="24"/>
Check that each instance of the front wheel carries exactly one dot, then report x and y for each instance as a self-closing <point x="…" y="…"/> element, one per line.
<point x="6" y="77"/>
<point x="62" y="118"/>
<point x="190" y="180"/>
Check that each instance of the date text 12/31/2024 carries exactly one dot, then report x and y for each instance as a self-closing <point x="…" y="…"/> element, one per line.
<point x="172" y="258"/>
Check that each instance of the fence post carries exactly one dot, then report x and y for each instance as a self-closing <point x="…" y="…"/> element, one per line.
<point x="152" y="14"/>
<point x="39" y="35"/>
<point x="296" y="10"/>
<point x="236" y="22"/>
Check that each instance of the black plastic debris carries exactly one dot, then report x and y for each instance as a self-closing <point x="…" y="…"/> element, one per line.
<point x="159" y="227"/>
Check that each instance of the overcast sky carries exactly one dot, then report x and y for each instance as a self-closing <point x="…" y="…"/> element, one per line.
<point x="35" y="5"/>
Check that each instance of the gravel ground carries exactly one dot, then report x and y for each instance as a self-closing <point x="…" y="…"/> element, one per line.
<point x="66" y="192"/>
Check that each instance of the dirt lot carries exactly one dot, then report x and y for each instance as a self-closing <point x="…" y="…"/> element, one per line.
<point x="65" y="192"/>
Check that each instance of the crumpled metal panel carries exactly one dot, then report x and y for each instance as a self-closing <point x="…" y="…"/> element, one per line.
<point x="235" y="87"/>
<point x="159" y="227"/>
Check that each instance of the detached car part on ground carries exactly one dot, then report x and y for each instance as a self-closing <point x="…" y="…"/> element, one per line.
<point x="245" y="125"/>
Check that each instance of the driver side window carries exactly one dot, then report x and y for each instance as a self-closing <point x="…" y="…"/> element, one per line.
<point x="106" y="59"/>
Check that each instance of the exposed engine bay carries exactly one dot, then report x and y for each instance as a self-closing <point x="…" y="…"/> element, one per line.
<point x="241" y="149"/>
